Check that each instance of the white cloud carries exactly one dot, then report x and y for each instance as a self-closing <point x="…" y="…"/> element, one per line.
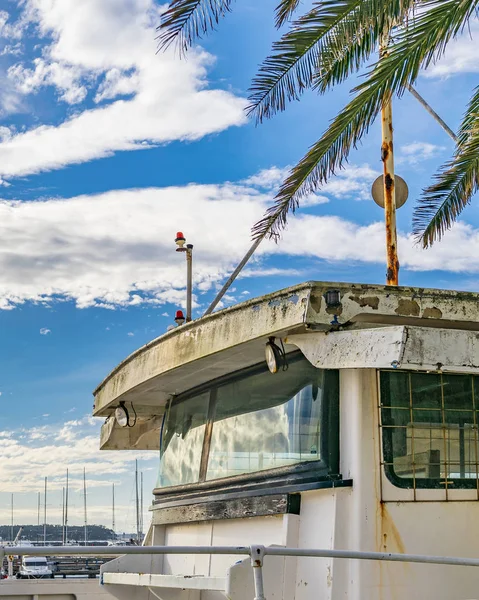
<point x="268" y="272"/>
<point x="353" y="181"/>
<point x="31" y="454"/>
<point x="268" y="178"/>
<point x="64" y="77"/>
<point x="8" y="29"/>
<point x="165" y="314"/>
<point x="108" y="47"/>
<point x="417" y="152"/>
<point x="130" y="333"/>
<point x="117" y="248"/>
<point x="45" y="331"/>
<point x="460" y="55"/>
<point x="336" y="239"/>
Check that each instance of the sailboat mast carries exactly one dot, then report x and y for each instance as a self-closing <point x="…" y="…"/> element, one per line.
<point x="113" y="509"/>
<point x="45" y="514"/>
<point x="84" y="505"/>
<point x="141" y="503"/>
<point x="11" y="527"/>
<point x="66" y="511"/>
<point x="63" y="516"/>
<point x="137" y="503"/>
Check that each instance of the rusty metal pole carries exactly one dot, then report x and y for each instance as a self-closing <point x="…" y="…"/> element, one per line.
<point x="387" y="156"/>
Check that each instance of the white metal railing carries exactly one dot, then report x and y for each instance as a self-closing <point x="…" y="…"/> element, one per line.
<point x="256" y="553"/>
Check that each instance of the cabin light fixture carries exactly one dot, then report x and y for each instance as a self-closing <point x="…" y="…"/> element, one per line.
<point x="122" y="416"/>
<point x="275" y="356"/>
<point x="333" y="298"/>
<point x="179" y="317"/>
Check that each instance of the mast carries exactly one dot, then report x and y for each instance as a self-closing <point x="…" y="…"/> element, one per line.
<point x="45" y="515"/>
<point x="66" y="511"/>
<point x="38" y="510"/>
<point x="113" y="509"/>
<point x="141" y="504"/>
<point x="137" y="503"/>
<point x="11" y="528"/>
<point x="84" y="505"/>
<point x="387" y="157"/>
<point x="63" y="516"/>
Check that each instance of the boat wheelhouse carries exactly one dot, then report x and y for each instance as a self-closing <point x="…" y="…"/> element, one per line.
<point x="326" y="415"/>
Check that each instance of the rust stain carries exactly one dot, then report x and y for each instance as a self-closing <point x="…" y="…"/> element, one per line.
<point x="391" y="538"/>
<point x="371" y="301"/>
<point x="334" y="310"/>
<point x="432" y="313"/>
<point x="407" y="308"/>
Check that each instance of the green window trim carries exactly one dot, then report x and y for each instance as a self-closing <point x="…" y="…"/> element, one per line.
<point x="253" y="422"/>
<point x="429" y="429"/>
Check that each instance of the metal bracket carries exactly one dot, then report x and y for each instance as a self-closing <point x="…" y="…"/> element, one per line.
<point x="257" y="557"/>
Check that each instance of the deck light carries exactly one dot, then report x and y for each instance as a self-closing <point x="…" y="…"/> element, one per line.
<point x="275" y="356"/>
<point x="179" y="317"/>
<point x="122" y="416"/>
<point x="333" y="298"/>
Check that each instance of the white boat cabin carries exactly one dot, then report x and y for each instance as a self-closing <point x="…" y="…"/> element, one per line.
<point x="364" y="437"/>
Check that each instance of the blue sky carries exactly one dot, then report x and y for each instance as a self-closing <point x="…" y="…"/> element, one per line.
<point x="106" y="150"/>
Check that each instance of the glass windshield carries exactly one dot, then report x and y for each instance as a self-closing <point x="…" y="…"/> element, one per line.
<point x="253" y="422"/>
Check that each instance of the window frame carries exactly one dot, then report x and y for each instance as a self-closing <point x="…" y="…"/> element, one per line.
<point x="309" y="472"/>
<point x="449" y="484"/>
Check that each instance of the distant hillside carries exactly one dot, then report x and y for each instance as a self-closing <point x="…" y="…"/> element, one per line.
<point x="54" y="532"/>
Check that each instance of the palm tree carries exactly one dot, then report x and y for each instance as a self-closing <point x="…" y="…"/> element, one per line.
<point x="332" y="41"/>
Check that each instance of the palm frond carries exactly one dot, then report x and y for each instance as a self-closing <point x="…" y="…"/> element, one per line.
<point x="310" y="49"/>
<point x="455" y="184"/>
<point x="421" y="43"/>
<point x="187" y="20"/>
<point x="284" y="11"/>
<point x="413" y="48"/>
<point x="324" y="158"/>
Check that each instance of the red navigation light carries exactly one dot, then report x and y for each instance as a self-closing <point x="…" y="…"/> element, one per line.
<point x="180" y="241"/>
<point x="179" y="317"/>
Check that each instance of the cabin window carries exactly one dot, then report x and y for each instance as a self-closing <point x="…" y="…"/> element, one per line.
<point x="429" y="429"/>
<point x="250" y="422"/>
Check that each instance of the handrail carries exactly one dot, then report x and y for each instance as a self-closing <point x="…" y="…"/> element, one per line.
<point x="256" y="553"/>
<point x="236" y="550"/>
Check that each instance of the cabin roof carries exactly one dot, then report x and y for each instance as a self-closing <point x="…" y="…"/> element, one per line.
<point x="234" y="338"/>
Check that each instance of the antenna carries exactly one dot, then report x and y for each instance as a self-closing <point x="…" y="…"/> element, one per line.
<point x="45" y="515"/>
<point x="137" y="503"/>
<point x="11" y="529"/>
<point x="113" y="509"/>
<point x="84" y="505"/>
